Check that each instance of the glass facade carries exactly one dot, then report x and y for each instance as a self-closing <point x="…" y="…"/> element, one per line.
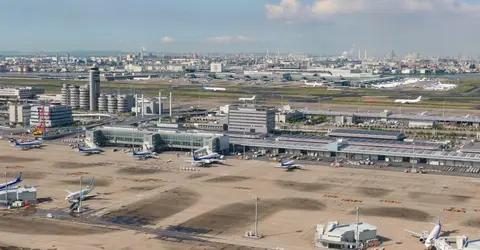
<point x="155" y="140"/>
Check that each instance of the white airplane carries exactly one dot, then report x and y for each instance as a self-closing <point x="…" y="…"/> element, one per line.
<point x="142" y="78"/>
<point x="82" y="194"/>
<point x="89" y="151"/>
<point x="290" y="165"/>
<point x="144" y="154"/>
<point x="205" y="160"/>
<point x="428" y="238"/>
<point x="212" y="88"/>
<point x="28" y="145"/>
<point x="407" y="101"/>
<point x="313" y="84"/>
<point x="247" y="98"/>
<point x="12" y="183"/>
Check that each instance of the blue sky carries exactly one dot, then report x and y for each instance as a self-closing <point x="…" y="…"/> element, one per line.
<point x="442" y="27"/>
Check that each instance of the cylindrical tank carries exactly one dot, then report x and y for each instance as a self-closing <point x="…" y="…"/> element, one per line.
<point x="122" y="104"/>
<point x="65" y="100"/>
<point x="112" y="104"/>
<point x="84" y="97"/>
<point x="102" y="103"/>
<point x="74" y="97"/>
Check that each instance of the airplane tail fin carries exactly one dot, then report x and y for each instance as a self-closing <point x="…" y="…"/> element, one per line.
<point x="91" y="184"/>
<point x="195" y="158"/>
<point x="419" y="98"/>
<point x="19" y="177"/>
<point x="133" y="153"/>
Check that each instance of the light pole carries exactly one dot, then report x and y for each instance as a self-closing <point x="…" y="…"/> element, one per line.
<point x="80" y="199"/>
<point x="256" y="217"/>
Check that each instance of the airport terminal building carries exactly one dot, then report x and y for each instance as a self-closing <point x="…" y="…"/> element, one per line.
<point x="157" y="139"/>
<point x="353" y="145"/>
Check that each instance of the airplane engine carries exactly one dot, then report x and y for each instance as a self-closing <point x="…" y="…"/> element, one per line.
<point x="422" y="240"/>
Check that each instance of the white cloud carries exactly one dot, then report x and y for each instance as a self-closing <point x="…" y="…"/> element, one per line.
<point x="167" y="39"/>
<point x="229" y="39"/>
<point x="296" y="10"/>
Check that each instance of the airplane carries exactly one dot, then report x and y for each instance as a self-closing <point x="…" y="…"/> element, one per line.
<point x="313" y="84"/>
<point x="144" y="154"/>
<point x="428" y="238"/>
<point x="82" y="194"/>
<point x="28" y="145"/>
<point x="247" y="98"/>
<point x="290" y="165"/>
<point x="12" y="183"/>
<point x="89" y="151"/>
<point x="212" y="88"/>
<point x="407" y="101"/>
<point x="209" y="156"/>
<point x="205" y="161"/>
<point x="142" y="78"/>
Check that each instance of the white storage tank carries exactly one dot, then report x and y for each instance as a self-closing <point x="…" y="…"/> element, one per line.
<point x="84" y="97"/>
<point x="65" y="100"/>
<point x="74" y="97"/>
<point x="112" y="104"/>
<point x="102" y="104"/>
<point x="122" y="104"/>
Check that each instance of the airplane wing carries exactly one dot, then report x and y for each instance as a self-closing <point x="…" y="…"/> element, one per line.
<point x="68" y="192"/>
<point x="88" y="196"/>
<point x="415" y="234"/>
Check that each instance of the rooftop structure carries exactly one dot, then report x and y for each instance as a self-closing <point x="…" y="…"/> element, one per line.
<point x="372" y="134"/>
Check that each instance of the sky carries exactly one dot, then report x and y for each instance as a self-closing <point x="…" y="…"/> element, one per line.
<point x="326" y="27"/>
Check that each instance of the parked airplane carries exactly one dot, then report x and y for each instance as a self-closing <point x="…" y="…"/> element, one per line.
<point x="82" y="194"/>
<point x="205" y="161"/>
<point x="290" y="165"/>
<point x="142" y="78"/>
<point x="247" y="98"/>
<point x="89" y="151"/>
<point x="144" y="154"/>
<point x="13" y="183"/>
<point x="313" y="84"/>
<point x="209" y="156"/>
<point x="28" y="145"/>
<point x="407" y="101"/>
<point x="428" y="238"/>
<point x="212" y="88"/>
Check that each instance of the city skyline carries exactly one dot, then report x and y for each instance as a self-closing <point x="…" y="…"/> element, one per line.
<point x="433" y="27"/>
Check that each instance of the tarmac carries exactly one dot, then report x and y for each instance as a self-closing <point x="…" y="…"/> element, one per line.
<point x="155" y="204"/>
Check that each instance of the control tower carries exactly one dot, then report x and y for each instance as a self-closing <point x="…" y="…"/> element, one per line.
<point x="94" y="87"/>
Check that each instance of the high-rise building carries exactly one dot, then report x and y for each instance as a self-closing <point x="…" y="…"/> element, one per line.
<point x="249" y="118"/>
<point x="94" y="87"/>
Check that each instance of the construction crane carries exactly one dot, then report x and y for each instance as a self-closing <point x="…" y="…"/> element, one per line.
<point x="40" y="128"/>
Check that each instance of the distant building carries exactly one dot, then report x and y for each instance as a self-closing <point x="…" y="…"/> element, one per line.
<point x="54" y="115"/>
<point x="20" y="93"/>
<point x="19" y="113"/>
<point x="94" y="85"/>
<point x="251" y="119"/>
<point x="216" y="67"/>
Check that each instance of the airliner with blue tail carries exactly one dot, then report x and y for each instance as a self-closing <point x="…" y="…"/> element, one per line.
<point x="290" y="165"/>
<point x="13" y="183"/>
<point x="206" y="160"/>
<point x="27" y="145"/>
<point x="89" y="151"/>
<point x="144" y="154"/>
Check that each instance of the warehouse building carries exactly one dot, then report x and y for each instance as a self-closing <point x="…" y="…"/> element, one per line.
<point x="19" y="194"/>
<point x="251" y="118"/>
<point x="20" y="93"/>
